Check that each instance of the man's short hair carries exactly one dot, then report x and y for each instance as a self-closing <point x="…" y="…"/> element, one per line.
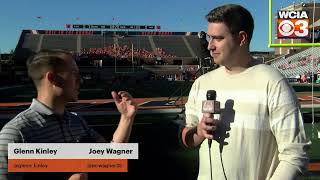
<point x="235" y="17"/>
<point x="44" y="61"/>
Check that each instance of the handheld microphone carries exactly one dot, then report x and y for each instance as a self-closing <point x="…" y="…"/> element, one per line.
<point x="211" y="106"/>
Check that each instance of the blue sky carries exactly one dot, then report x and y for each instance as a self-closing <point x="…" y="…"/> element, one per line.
<point x="172" y="15"/>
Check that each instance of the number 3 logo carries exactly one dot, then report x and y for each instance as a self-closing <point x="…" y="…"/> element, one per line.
<point x="293" y="28"/>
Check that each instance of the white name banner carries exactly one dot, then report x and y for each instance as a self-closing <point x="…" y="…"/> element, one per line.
<point x="73" y="151"/>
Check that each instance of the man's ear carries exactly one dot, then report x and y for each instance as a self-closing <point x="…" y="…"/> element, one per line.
<point x="50" y="76"/>
<point x="243" y="38"/>
<point x="54" y="79"/>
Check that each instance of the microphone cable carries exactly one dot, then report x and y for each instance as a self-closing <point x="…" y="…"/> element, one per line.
<point x="224" y="172"/>
<point x="220" y="153"/>
<point x="209" y="145"/>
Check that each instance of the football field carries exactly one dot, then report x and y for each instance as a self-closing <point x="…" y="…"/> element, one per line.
<point x="157" y="126"/>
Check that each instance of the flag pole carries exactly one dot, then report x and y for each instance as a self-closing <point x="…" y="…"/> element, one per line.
<point x="39" y="21"/>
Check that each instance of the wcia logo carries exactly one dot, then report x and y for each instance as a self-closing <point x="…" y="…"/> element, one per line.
<point x="292" y="24"/>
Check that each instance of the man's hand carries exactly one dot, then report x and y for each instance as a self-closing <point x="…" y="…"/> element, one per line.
<point x="128" y="109"/>
<point x="79" y="176"/>
<point x="193" y="136"/>
<point x="207" y="125"/>
<point x="125" y="103"/>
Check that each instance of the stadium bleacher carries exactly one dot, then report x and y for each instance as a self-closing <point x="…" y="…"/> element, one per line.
<point x="172" y="45"/>
<point x="68" y="42"/>
<point x="299" y="63"/>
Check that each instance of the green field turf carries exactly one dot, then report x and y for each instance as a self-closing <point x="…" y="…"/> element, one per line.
<point x="158" y="135"/>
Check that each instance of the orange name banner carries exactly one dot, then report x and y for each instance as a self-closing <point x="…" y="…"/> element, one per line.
<point x="314" y="167"/>
<point x="67" y="165"/>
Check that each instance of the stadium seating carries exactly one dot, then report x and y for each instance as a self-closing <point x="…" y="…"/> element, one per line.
<point x="300" y="63"/>
<point x="155" y="46"/>
<point x="173" y="45"/>
<point x="96" y="41"/>
<point x="67" y="42"/>
<point x="31" y="41"/>
<point x="141" y="42"/>
<point x="194" y="42"/>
